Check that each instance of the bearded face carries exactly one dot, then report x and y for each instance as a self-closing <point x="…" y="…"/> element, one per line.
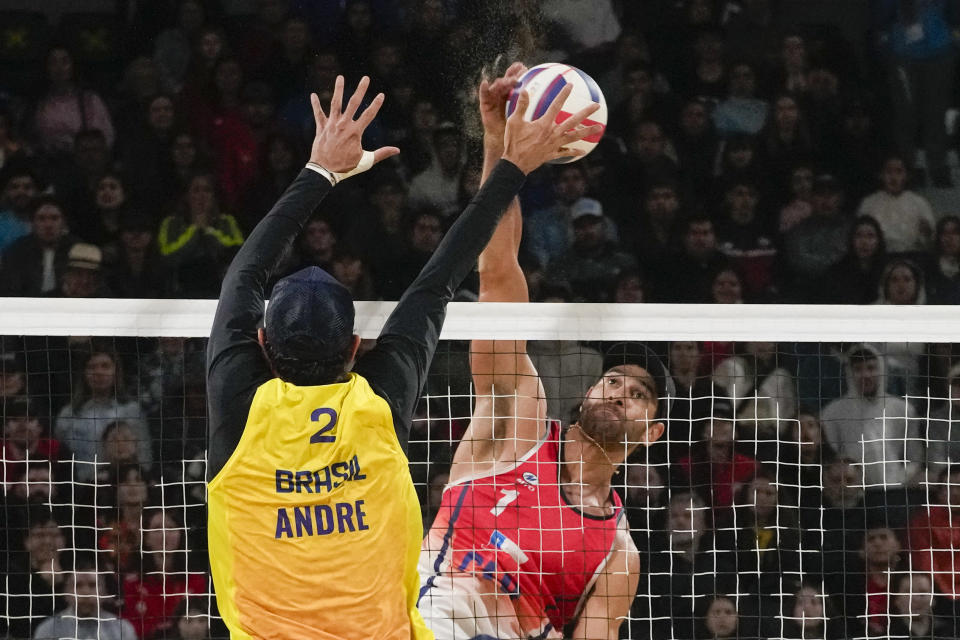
<point x="619" y="408"/>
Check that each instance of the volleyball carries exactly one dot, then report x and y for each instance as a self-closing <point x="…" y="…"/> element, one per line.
<point x="544" y="81"/>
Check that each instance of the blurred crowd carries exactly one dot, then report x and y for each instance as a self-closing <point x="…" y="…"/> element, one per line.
<point x="801" y="490"/>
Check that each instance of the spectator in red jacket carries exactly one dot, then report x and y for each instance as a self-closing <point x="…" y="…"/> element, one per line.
<point x="152" y="594"/>
<point x="714" y="469"/>
<point x="935" y="535"/>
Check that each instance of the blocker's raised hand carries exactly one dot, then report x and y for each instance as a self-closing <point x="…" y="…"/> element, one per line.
<point x="529" y="144"/>
<point x="336" y="145"/>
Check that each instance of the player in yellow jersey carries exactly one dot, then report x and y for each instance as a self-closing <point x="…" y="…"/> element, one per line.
<point x="314" y="524"/>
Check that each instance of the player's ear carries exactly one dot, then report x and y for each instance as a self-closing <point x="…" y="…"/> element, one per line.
<point x="354" y="346"/>
<point x="653" y="433"/>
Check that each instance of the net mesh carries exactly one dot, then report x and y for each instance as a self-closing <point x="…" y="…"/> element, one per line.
<point x="799" y="490"/>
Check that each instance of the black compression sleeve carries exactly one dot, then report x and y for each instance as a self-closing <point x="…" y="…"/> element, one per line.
<point x="397" y="366"/>
<point x="235" y="363"/>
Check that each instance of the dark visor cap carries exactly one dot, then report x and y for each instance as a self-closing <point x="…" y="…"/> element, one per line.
<point x="310" y="316"/>
<point x="637" y="353"/>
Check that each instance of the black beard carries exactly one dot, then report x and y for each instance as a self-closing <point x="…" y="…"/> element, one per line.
<point x="605" y="424"/>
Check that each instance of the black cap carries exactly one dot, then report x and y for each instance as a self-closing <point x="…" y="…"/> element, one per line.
<point x="637" y="353"/>
<point x="310" y="316"/>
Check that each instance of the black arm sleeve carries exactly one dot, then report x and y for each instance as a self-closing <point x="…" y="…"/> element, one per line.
<point x="236" y="365"/>
<point x="397" y="367"/>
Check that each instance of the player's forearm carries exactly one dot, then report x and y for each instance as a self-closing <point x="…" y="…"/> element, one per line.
<point x="501" y="279"/>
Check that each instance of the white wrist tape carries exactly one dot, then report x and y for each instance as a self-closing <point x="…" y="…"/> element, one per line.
<point x="366" y="161"/>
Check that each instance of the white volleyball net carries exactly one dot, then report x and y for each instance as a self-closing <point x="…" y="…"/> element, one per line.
<point x="802" y="486"/>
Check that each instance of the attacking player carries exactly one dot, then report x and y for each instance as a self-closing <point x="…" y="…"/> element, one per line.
<point x="530" y="540"/>
<point x="314" y="524"/>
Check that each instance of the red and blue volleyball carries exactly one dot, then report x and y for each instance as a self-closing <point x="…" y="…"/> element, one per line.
<point x="544" y="81"/>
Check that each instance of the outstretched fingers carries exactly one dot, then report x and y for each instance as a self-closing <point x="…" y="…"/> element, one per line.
<point x="318" y="116"/>
<point x="336" y="102"/>
<point x="356" y="98"/>
<point x="580" y="133"/>
<point x="370" y="112"/>
<point x="557" y="103"/>
<point x="522" y="103"/>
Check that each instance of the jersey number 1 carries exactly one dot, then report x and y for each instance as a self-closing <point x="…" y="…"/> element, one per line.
<point x="317" y="416"/>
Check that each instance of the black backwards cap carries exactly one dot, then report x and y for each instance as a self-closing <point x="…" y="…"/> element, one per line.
<point x="637" y="353"/>
<point x="310" y="316"/>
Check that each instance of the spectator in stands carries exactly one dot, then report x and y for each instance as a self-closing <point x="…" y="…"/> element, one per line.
<point x="791" y="76"/>
<point x="100" y="398"/>
<point x="786" y="138"/>
<point x="119" y="525"/>
<point x="726" y="287"/>
<point x="83" y="275"/>
<point x="278" y="171"/>
<point x="437" y="186"/>
<point x="110" y="206"/>
<point x="76" y="178"/>
<point x="843" y="513"/>
<point x="350" y="269"/>
<point x="592" y="261"/>
<point x="24" y="436"/>
<point x="905" y="217"/>
<point x="800" y="205"/>
<point x="857" y="147"/>
<point x="801" y="460"/>
<point x="142" y="79"/>
<point x="819" y="242"/>
<point x="807" y="615"/>
<point x="186" y="156"/>
<point x="684" y="569"/>
<point x="143" y="153"/>
<point x="768" y="538"/>
<point x="137" y="270"/>
<point x="20" y="187"/>
<point x="912" y="610"/>
<point x="12" y="148"/>
<point x="943" y="427"/>
<point x="706" y="75"/>
<point x="173" y="49"/>
<point x="317" y="245"/>
<point x="119" y="444"/>
<point x="35" y="263"/>
<point x="743" y="238"/>
<point x="901" y="283"/>
<point x="870" y="426"/>
<point x="739" y="160"/>
<point x="765" y="394"/>
<point x="85" y="617"/>
<point x="151" y="596"/>
<point x="35" y="582"/>
<point x="724" y="618"/>
<point x="423" y="235"/>
<point x="630" y="288"/>
<point x="209" y="46"/>
<point x="714" y="468"/>
<point x="943" y="267"/>
<point x="935" y="534"/>
<point x="192" y="620"/>
<point x="199" y="240"/>
<point x="689" y="274"/>
<point x="32" y="485"/>
<point x="918" y="46"/>
<point x="693" y="401"/>
<point x="696" y="143"/>
<point x="651" y="155"/>
<point x="741" y="112"/>
<point x="868" y="587"/>
<point x="855" y="279"/>
<point x="547" y="232"/>
<point x="644" y="501"/>
<point x="67" y="107"/>
<point x="652" y="238"/>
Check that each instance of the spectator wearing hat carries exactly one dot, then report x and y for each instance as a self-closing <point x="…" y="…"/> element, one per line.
<point x="439" y="184"/>
<point x="199" y="240"/>
<point x="19" y="187"/>
<point x="592" y="262"/>
<point x="137" y="269"/>
<point x="743" y="238"/>
<point x="905" y="217"/>
<point x="818" y="242"/>
<point x="83" y="276"/>
<point x="35" y="263"/>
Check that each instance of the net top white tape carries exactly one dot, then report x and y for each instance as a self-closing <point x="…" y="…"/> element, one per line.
<point x="545" y="321"/>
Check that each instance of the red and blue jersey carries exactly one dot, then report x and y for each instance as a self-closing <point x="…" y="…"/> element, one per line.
<point x="517" y="535"/>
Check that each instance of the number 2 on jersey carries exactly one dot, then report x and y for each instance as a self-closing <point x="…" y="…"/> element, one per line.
<point x="317" y="416"/>
<point x="509" y="495"/>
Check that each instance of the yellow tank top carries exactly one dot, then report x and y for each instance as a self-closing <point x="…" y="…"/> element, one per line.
<point x="314" y="523"/>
